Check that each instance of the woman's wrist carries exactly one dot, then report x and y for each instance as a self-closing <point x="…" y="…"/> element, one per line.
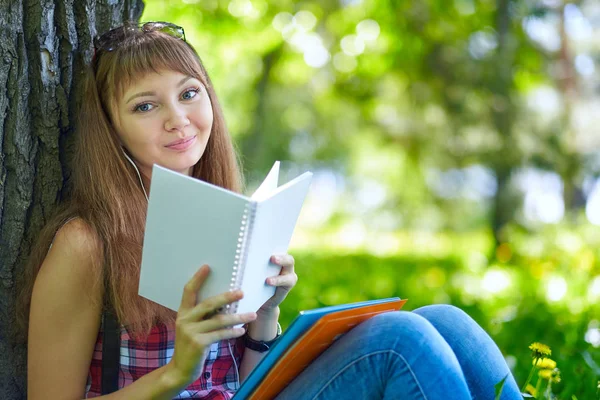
<point x="172" y="378"/>
<point x="268" y="315"/>
<point x="264" y="327"/>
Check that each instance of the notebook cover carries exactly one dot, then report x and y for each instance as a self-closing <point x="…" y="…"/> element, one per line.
<point x="189" y="223"/>
<point x="308" y="336"/>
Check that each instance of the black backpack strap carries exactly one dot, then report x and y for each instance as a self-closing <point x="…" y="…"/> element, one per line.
<point x="111" y="343"/>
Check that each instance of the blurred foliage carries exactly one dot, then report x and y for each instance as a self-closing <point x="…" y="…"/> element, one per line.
<point x="435" y="85"/>
<point x="417" y="119"/>
<point x="546" y="288"/>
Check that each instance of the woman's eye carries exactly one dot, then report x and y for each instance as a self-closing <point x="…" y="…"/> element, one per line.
<point x="145" y="107"/>
<point x="189" y="94"/>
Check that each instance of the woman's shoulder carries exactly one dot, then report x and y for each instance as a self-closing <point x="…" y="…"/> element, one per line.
<point x="77" y="238"/>
<point x="75" y="254"/>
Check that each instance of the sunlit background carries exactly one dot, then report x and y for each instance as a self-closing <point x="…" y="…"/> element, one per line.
<point x="455" y="146"/>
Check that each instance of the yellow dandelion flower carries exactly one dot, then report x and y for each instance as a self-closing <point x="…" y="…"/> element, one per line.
<point x="551" y="375"/>
<point x="544" y="363"/>
<point x="545" y="374"/>
<point x="531" y="390"/>
<point x="539" y="350"/>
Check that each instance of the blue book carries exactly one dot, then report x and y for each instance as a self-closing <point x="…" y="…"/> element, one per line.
<point x="308" y="335"/>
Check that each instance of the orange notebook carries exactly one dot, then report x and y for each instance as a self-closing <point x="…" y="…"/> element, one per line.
<point x="319" y="336"/>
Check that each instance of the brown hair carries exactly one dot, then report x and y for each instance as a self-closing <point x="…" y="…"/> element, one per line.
<point x="106" y="193"/>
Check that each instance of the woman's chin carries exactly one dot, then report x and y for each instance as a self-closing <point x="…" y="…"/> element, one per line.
<point x="183" y="168"/>
<point x="183" y="161"/>
<point x="185" y="164"/>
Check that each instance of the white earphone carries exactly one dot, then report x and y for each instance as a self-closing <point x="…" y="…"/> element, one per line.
<point x="138" y="172"/>
<point x="237" y="371"/>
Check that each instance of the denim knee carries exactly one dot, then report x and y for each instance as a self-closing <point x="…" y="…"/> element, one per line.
<point x="409" y="337"/>
<point x="480" y="358"/>
<point x="399" y="330"/>
<point x="447" y="317"/>
<point x="442" y="309"/>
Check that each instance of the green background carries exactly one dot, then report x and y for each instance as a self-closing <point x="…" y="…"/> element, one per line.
<point x="418" y="124"/>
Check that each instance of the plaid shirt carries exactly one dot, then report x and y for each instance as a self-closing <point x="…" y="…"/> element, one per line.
<point x="218" y="381"/>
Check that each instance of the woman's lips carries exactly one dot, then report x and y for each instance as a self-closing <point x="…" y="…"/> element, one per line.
<point x="182" y="144"/>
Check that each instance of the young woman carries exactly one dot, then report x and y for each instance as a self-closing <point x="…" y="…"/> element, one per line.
<point x="148" y="100"/>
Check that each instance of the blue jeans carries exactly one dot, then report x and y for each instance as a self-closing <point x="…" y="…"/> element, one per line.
<point x="434" y="352"/>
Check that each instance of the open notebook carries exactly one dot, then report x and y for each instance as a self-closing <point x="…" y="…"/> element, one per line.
<point x="310" y="334"/>
<point x="191" y="223"/>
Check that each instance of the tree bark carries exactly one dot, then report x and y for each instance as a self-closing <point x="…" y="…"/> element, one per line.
<point x="44" y="44"/>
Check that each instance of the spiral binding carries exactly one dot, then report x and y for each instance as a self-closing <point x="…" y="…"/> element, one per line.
<point x="241" y="251"/>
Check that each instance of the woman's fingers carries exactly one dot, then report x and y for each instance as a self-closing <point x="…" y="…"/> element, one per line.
<point x="287" y="277"/>
<point x="285" y="260"/>
<point x="286" y="280"/>
<point x="222" y="334"/>
<point x="211" y="306"/>
<point x="197" y="326"/>
<point x="221" y="321"/>
<point x="217" y="328"/>
<point x="191" y="288"/>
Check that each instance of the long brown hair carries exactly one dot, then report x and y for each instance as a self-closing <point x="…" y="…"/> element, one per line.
<point x="106" y="193"/>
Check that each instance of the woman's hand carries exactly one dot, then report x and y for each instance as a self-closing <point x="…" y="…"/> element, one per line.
<point x="198" y="326"/>
<point x="284" y="282"/>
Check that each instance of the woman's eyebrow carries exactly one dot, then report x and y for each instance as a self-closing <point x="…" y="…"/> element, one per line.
<point x="184" y="80"/>
<point x="142" y="94"/>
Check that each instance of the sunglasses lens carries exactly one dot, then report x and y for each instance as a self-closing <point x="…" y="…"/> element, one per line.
<point x="152" y="26"/>
<point x="164" y="27"/>
<point x="174" y="31"/>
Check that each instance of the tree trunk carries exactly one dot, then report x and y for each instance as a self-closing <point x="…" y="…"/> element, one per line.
<point x="503" y="116"/>
<point x="43" y="47"/>
<point x="571" y="165"/>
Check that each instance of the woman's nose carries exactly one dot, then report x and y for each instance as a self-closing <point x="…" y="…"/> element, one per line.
<point x="176" y="120"/>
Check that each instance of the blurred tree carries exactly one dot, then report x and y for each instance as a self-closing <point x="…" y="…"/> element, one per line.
<point x="571" y="161"/>
<point x="440" y="84"/>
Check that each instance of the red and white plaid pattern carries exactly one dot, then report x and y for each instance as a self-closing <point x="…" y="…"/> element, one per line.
<point x="139" y="357"/>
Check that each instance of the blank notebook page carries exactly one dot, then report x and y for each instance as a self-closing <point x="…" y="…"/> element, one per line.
<point x="274" y="224"/>
<point x="182" y="235"/>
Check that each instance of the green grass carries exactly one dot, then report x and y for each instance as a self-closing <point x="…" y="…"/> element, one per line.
<point x="515" y="314"/>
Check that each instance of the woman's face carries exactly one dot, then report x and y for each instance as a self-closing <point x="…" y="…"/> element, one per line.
<point x="164" y="118"/>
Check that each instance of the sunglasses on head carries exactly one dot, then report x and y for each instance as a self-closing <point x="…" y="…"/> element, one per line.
<point x="110" y="40"/>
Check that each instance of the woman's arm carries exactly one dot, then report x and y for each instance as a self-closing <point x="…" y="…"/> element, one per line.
<point x="265" y="326"/>
<point x="64" y="322"/>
